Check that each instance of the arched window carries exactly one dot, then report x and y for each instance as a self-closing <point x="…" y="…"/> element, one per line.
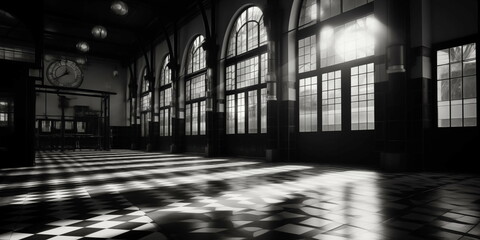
<point x="145" y="107"/>
<point x="335" y="65"/>
<point x="246" y="71"/>
<point x="165" y="98"/>
<point x="195" y="89"/>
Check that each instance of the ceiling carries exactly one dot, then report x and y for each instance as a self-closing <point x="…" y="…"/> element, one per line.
<point x="65" y="23"/>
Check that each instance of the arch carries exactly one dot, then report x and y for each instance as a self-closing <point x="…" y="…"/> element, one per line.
<point x="165" y="76"/>
<point x="249" y="27"/>
<point x="245" y="69"/>
<point x="231" y="24"/>
<point x="164" y="88"/>
<point x="194" y="82"/>
<point x="196" y="55"/>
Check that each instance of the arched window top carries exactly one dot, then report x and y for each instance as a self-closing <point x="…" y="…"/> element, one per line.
<point x="248" y="32"/>
<point x="196" y="56"/>
<point x="308" y="13"/>
<point x="166" y="74"/>
<point x="145" y="83"/>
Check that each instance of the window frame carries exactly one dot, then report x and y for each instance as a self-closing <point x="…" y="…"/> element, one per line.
<point x="258" y="52"/>
<point x="167" y="127"/>
<point x="198" y="101"/>
<point x="314" y="29"/>
<point x="434" y="80"/>
<point x="145" y="114"/>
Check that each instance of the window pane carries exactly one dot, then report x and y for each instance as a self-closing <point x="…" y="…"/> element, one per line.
<point x="264" y="70"/>
<point x="196" y="58"/>
<point x="308" y="13"/>
<point x="456" y="96"/>
<point x="456" y="89"/>
<point x="203" y="118"/>
<point x="351" y="41"/>
<point x="443" y="72"/>
<point x="230" y="78"/>
<point x="455" y="70"/>
<point x="196" y="87"/>
<point x="443" y="92"/>
<point x="470" y="87"/>
<point x="307" y="54"/>
<point x="443" y="57"/>
<point x="188" y="119"/>
<point x="166" y="75"/>
<point x="363" y="98"/>
<point x="456" y="113"/>
<point x="263" y="110"/>
<point x="253" y="39"/>
<point x="455" y="54"/>
<point x="247" y="72"/>
<point x="469" y="67"/>
<point x="331" y="106"/>
<point x="195" y="119"/>
<point x="469" y="51"/>
<point x="241" y="113"/>
<point x="470" y="113"/>
<point x="252" y="112"/>
<point x="230" y="114"/>
<point x="308" y="104"/>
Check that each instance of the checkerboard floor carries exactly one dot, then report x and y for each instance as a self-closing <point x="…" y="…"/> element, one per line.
<point x="138" y="195"/>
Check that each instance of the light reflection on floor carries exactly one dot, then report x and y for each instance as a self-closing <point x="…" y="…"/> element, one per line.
<point x="138" y="195"/>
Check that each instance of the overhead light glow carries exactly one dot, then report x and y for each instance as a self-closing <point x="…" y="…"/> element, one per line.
<point x="81" y="60"/>
<point x="99" y="32"/>
<point x="83" y="46"/>
<point x="119" y="8"/>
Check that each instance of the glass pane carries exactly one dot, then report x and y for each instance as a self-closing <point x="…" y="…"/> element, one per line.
<point x="443" y="72"/>
<point x="241" y="113"/>
<point x="247" y="72"/>
<point x="470" y="113"/>
<point x="252" y="111"/>
<point x="230" y="114"/>
<point x="470" y="87"/>
<point x="456" y="89"/>
<point x="307" y="54"/>
<point x="442" y="57"/>
<point x="469" y="67"/>
<point x="252" y="41"/>
<point x="444" y="114"/>
<point x="469" y="51"/>
<point x="443" y="90"/>
<point x="455" y="54"/>
<point x="456" y="113"/>
<point x="455" y="70"/>
<point x="308" y="13"/>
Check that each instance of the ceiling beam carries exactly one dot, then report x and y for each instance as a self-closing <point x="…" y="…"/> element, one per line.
<point x="90" y="39"/>
<point x="85" y="23"/>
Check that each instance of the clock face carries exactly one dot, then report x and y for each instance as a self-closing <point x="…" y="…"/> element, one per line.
<point x="64" y="73"/>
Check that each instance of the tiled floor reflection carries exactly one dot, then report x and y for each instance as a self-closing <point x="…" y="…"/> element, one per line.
<point x="138" y="195"/>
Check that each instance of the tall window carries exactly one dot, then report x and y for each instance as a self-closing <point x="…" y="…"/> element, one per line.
<point x="6" y="113"/>
<point x="195" y="89"/>
<point x="457" y="86"/>
<point x="165" y="98"/>
<point x="363" y="97"/>
<point x="246" y="74"/>
<point x="329" y="43"/>
<point x="145" y="106"/>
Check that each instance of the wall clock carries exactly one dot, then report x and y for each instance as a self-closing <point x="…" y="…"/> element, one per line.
<point x="65" y="73"/>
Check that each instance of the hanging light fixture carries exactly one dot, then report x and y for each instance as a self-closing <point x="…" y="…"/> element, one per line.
<point x="119" y="8"/>
<point x="99" y="32"/>
<point x="83" y="46"/>
<point x="81" y="60"/>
